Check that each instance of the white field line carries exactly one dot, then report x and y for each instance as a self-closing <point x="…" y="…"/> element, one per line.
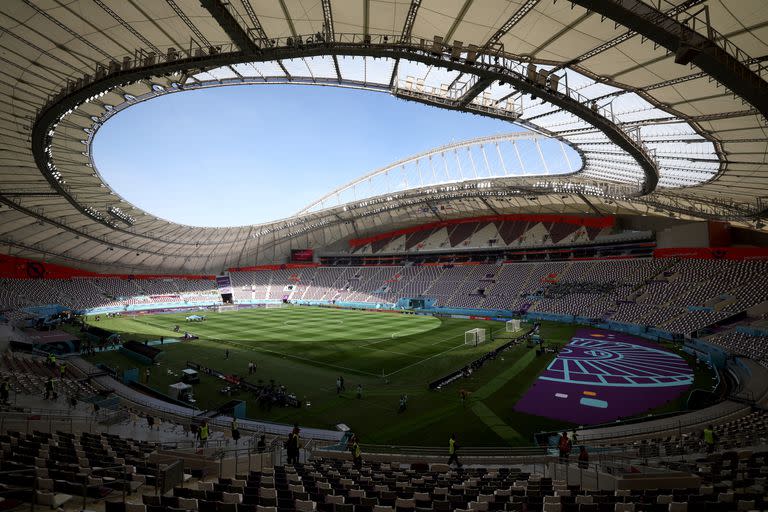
<point x="427" y="359"/>
<point x="281" y="328"/>
<point x="291" y="356"/>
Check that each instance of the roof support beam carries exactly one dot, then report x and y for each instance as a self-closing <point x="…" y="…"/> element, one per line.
<point x="256" y="23"/>
<point x="30" y="194"/>
<point x="511" y="22"/>
<point x="458" y="20"/>
<point x="689" y="46"/>
<point x="393" y="77"/>
<point x="626" y="35"/>
<point x="478" y="87"/>
<point x="337" y="68"/>
<point x="410" y="18"/>
<point x="328" y="21"/>
<point x="229" y="24"/>
<point x="68" y="30"/>
<point x="288" y="18"/>
<point x="405" y="35"/>
<point x="127" y="26"/>
<point x="486" y="203"/>
<point x="201" y="40"/>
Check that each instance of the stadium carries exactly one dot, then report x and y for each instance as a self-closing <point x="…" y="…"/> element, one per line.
<point x="566" y="311"/>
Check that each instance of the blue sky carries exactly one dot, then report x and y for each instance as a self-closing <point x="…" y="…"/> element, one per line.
<point x="248" y="154"/>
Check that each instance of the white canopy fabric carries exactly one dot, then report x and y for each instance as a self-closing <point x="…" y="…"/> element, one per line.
<point x="709" y="143"/>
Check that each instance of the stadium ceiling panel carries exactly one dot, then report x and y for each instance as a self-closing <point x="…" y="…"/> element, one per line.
<point x="652" y="122"/>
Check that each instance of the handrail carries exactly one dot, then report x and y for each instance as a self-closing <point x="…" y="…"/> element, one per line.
<point x="685" y="419"/>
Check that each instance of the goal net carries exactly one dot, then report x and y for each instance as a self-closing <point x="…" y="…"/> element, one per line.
<point x="513" y="325"/>
<point x="273" y="305"/>
<point x="226" y="307"/>
<point x="474" y="336"/>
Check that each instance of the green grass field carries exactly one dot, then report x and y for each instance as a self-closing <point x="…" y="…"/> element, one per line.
<point x="307" y="348"/>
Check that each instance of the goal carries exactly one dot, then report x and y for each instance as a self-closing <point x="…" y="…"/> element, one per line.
<point x="226" y="307"/>
<point x="474" y="336"/>
<point x="273" y="305"/>
<point x="513" y="325"/>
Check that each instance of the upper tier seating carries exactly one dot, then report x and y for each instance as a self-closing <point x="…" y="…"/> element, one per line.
<point x="484" y="234"/>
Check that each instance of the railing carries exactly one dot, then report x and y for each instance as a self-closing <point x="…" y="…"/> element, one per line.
<point x="62" y="420"/>
<point x="686" y="420"/>
<point x="464" y="451"/>
<point x="699" y="22"/>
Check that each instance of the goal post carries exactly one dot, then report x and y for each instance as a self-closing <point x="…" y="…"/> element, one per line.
<point x="474" y="336"/>
<point x="513" y="325"/>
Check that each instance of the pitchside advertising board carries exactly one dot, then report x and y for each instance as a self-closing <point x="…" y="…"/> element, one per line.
<point x="224" y="285"/>
<point x="302" y="255"/>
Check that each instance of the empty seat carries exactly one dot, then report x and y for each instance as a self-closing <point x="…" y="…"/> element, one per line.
<point x="231" y="497"/>
<point x="334" y="499"/>
<point x="305" y="505"/>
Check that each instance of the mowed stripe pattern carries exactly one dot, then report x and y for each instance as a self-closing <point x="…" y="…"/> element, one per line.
<point x="372" y="343"/>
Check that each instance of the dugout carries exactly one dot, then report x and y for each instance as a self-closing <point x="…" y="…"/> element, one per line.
<point x="140" y="352"/>
<point x="94" y="334"/>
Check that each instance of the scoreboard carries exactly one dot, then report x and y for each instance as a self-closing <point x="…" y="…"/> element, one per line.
<point x="302" y="255"/>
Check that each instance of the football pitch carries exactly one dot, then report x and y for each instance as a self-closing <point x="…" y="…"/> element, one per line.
<point x="305" y="349"/>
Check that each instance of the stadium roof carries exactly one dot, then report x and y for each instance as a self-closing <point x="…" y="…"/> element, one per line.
<point x="665" y="101"/>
